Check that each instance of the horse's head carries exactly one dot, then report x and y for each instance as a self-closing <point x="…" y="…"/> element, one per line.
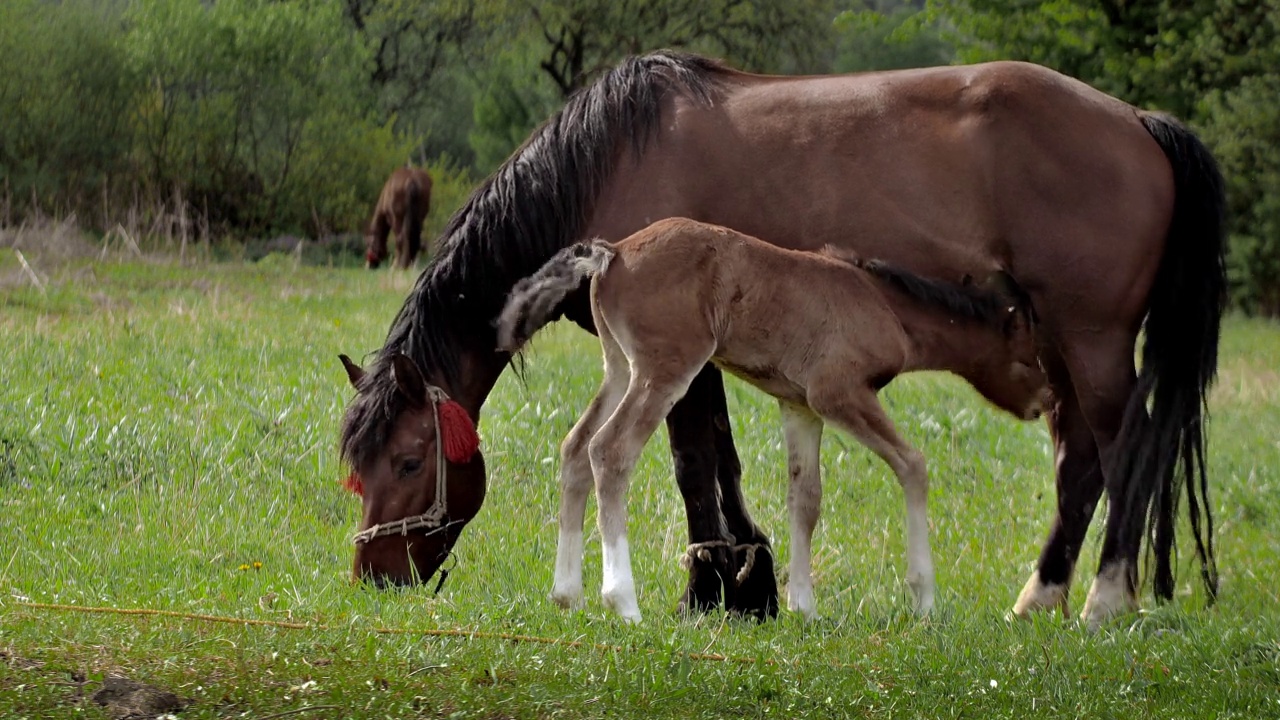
<point x="374" y="255"/>
<point x="416" y="464"/>
<point x="1010" y="375"/>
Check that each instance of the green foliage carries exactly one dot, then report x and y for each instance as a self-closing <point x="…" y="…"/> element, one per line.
<point x="512" y="97"/>
<point x="899" y="38"/>
<point x="580" y="38"/>
<point x="249" y="104"/>
<point x="1244" y="127"/>
<point x="65" y="93"/>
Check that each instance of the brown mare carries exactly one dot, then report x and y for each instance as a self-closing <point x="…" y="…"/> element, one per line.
<point x="402" y="208"/>
<point x="812" y="330"/>
<point x="1109" y="217"/>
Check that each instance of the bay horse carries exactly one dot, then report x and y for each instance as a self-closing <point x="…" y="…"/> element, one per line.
<point x="402" y="208"/>
<point x="820" y="333"/>
<point x="1109" y="217"/>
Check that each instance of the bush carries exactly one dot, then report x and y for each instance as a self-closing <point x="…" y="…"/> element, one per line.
<point x="65" y="92"/>
<point x="257" y="113"/>
<point x="1243" y="127"/>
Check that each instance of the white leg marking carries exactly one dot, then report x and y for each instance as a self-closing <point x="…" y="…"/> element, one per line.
<point x="1037" y="596"/>
<point x="803" y="432"/>
<point x="915" y="485"/>
<point x="618" y="591"/>
<point x="577" y="478"/>
<point x="1109" y="596"/>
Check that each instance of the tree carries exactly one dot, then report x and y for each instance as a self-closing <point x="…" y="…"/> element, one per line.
<point x="583" y="37"/>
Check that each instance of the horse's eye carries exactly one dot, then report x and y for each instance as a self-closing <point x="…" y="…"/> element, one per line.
<point x="410" y="467"/>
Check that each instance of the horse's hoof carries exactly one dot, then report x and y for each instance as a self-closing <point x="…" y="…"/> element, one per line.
<point x="1036" y="596"/>
<point x="1110" y="596"/>
<point x="757" y="595"/>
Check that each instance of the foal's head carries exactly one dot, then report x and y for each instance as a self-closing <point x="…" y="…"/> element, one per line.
<point x="1006" y="367"/>
<point x="1011" y="376"/>
<point x="399" y="434"/>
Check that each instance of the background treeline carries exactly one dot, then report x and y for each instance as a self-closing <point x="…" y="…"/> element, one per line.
<point x="254" y="117"/>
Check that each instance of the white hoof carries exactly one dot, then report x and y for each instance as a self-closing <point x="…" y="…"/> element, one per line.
<point x="567" y="598"/>
<point x="1037" y="596"/>
<point x="800" y="600"/>
<point x="1109" y="597"/>
<point x="922" y="594"/>
<point x="622" y="603"/>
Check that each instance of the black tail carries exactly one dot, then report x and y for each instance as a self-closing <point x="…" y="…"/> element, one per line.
<point x="533" y="301"/>
<point x="414" y="213"/>
<point x="1179" y="361"/>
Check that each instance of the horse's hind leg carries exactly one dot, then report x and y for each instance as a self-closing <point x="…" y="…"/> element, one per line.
<point x="576" y="477"/>
<point x="1104" y="378"/>
<point x="614" y="450"/>
<point x="857" y="411"/>
<point x="1079" y="484"/>
<point x="803" y="432"/>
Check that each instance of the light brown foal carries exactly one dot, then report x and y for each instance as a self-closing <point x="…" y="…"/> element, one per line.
<point x="821" y="332"/>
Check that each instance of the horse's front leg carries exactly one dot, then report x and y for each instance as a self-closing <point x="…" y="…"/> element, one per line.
<point x="704" y="456"/>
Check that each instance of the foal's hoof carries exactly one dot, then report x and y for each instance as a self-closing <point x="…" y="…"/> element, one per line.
<point x="757" y="595"/>
<point x="1110" y="596"/>
<point x="622" y="604"/>
<point x="567" y="599"/>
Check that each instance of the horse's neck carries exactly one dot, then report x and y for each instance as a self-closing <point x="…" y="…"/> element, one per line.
<point x="938" y="340"/>
<point x="478" y="372"/>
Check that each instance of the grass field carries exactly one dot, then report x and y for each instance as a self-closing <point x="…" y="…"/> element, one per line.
<point x="167" y="441"/>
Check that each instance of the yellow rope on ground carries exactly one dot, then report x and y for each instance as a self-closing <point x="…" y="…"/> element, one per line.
<point x="430" y="632"/>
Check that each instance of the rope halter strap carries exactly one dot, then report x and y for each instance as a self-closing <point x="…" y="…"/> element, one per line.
<point x="433" y="520"/>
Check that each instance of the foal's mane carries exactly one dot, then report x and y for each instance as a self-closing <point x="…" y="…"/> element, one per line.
<point x="970" y="301"/>
<point x="536" y="203"/>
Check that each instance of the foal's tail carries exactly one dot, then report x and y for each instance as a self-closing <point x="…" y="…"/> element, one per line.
<point x="1179" y="360"/>
<point x="533" y="301"/>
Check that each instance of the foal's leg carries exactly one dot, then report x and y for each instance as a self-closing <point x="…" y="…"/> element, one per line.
<point x="576" y="481"/>
<point x="803" y="432"/>
<point x="1079" y="486"/>
<point x="857" y="411"/>
<point x="614" y="451"/>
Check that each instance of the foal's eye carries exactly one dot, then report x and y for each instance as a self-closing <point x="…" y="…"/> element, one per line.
<point x="410" y="467"/>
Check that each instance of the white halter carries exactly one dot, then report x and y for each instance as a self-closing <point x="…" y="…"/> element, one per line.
<point x="433" y="520"/>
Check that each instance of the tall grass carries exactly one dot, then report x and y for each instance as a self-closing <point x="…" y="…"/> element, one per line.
<point x="167" y="440"/>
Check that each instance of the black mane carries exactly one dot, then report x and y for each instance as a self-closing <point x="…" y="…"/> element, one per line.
<point x="538" y="202"/>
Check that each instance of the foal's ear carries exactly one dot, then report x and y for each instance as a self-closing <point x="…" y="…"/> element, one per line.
<point x="355" y="373"/>
<point x="409" y="379"/>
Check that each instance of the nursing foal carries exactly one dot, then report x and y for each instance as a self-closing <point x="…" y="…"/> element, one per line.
<point x="820" y="332"/>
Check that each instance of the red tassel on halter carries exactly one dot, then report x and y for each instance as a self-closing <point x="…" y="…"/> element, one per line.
<point x="354" y="483"/>
<point x="458" y="432"/>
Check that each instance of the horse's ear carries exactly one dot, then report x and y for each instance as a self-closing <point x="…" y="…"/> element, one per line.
<point x="355" y="373"/>
<point x="409" y="379"/>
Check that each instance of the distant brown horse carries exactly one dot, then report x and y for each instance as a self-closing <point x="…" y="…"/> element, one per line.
<point x="402" y="208"/>
<point x="820" y="333"/>
<point x="1109" y="217"/>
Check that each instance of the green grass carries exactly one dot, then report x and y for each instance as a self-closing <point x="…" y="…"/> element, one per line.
<point x="163" y="426"/>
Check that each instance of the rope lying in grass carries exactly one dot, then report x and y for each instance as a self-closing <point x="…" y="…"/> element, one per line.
<point x="430" y="632"/>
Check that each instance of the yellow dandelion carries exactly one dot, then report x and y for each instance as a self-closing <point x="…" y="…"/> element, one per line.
<point x="244" y="567"/>
<point x="257" y="565"/>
